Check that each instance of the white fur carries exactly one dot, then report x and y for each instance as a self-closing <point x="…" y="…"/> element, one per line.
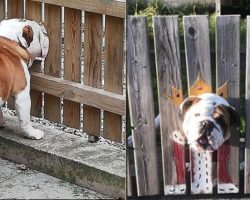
<point x="13" y="29"/>
<point x="205" y="108"/>
<point x="227" y="188"/>
<point x="175" y="189"/>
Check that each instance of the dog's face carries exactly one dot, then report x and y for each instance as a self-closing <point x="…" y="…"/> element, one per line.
<point x="206" y="122"/>
<point x="29" y="34"/>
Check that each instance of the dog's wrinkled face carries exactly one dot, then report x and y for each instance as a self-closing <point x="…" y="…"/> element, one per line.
<point x="29" y="34"/>
<point x="206" y="121"/>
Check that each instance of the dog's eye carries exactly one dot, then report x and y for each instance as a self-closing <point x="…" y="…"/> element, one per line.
<point x="197" y="114"/>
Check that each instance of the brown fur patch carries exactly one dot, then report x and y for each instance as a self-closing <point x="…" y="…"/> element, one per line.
<point x="28" y="34"/>
<point x="12" y="77"/>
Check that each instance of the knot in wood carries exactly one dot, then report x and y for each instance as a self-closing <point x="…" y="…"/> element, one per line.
<point x="192" y="33"/>
<point x="69" y="94"/>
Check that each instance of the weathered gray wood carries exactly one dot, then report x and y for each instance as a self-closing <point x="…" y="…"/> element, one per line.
<point x="198" y="65"/>
<point x="197" y="48"/>
<point x="247" y="148"/>
<point x="141" y="106"/>
<point x="168" y="67"/>
<point x="228" y="69"/>
<point x="2" y="9"/>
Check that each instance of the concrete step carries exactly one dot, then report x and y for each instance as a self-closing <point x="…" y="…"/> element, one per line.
<point x="22" y="183"/>
<point x="97" y="166"/>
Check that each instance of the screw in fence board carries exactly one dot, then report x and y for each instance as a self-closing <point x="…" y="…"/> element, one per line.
<point x="34" y="12"/>
<point x="141" y="101"/>
<point x="167" y="53"/>
<point x="14" y="10"/>
<point x="113" y="70"/>
<point x="196" y="35"/>
<point x="72" y="63"/>
<point x="52" y="104"/>
<point x="228" y="69"/>
<point x="2" y="11"/>
<point x="92" y="70"/>
<point x="247" y="137"/>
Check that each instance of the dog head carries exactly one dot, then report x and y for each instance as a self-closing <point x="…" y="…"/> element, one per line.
<point x="29" y="34"/>
<point x="206" y="121"/>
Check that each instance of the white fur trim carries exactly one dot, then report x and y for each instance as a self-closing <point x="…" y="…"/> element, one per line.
<point x="175" y="189"/>
<point x="227" y="188"/>
<point x="178" y="137"/>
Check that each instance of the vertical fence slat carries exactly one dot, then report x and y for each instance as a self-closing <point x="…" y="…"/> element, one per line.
<point x="140" y="98"/>
<point x="72" y="63"/>
<point x="92" y="68"/>
<point x="247" y="107"/>
<point x="52" y="105"/>
<point x="33" y="11"/>
<point x="228" y="69"/>
<point x="198" y="64"/>
<point x="168" y="67"/>
<point x="114" y="40"/>
<point x="15" y="9"/>
<point x="2" y="15"/>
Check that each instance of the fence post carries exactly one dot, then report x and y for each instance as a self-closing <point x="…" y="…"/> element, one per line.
<point x="167" y="53"/>
<point x="2" y="10"/>
<point x="228" y="69"/>
<point x="141" y="107"/>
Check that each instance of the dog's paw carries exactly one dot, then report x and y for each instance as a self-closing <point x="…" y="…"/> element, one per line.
<point x="35" y="134"/>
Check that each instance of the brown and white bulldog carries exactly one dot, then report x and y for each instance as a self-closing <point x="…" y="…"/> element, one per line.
<point x="21" y="42"/>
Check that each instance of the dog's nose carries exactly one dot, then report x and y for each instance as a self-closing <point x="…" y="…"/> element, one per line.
<point x="206" y="127"/>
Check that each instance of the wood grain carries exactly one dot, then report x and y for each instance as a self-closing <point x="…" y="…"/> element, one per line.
<point x="140" y="98"/>
<point x="228" y="69"/>
<point x="168" y="67"/>
<point x="197" y="49"/>
<point x="247" y="137"/>
<point x="114" y="63"/>
<point x="34" y="12"/>
<point x="115" y="8"/>
<point x="92" y="68"/>
<point x="52" y="104"/>
<point x="15" y="9"/>
<point x="72" y="91"/>
<point x="2" y="15"/>
<point x="72" y="63"/>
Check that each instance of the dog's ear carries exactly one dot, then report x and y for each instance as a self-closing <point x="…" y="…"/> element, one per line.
<point x="234" y="118"/>
<point x="186" y="104"/>
<point x="26" y="37"/>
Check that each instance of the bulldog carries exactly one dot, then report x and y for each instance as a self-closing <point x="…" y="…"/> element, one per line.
<point x="206" y="121"/>
<point x="21" y="42"/>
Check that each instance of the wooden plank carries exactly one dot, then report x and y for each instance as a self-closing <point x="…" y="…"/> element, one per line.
<point x="15" y="9"/>
<point x="2" y="12"/>
<point x="114" y="62"/>
<point x="247" y="108"/>
<point x="34" y="12"/>
<point x="197" y="48"/>
<point x="141" y="100"/>
<point x="116" y="8"/>
<point x="72" y="91"/>
<point x="168" y="68"/>
<point x="72" y="63"/>
<point x="92" y="68"/>
<point x="228" y="69"/>
<point x="52" y="104"/>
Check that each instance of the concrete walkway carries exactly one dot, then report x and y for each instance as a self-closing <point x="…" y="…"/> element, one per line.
<point x="16" y="182"/>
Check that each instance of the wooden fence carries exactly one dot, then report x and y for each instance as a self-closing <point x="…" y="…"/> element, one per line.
<point x="89" y="40"/>
<point x="156" y="173"/>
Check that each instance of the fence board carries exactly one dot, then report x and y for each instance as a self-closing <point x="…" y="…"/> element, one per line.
<point x="34" y="12"/>
<point x="228" y="69"/>
<point x="247" y="137"/>
<point x="52" y="104"/>
<point x="79" y="93"/>
<point x="92" y="68"/>
<point x="168" y="67"/>
<point x="114" y="40"/>
<point x="198" y="65"/>
<point x="116" y="8"/>
<point x="2" y="14"/>
<point x="72" y="63"/>
<point x="15" y="9"/>
<point x="141" y="107"/>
